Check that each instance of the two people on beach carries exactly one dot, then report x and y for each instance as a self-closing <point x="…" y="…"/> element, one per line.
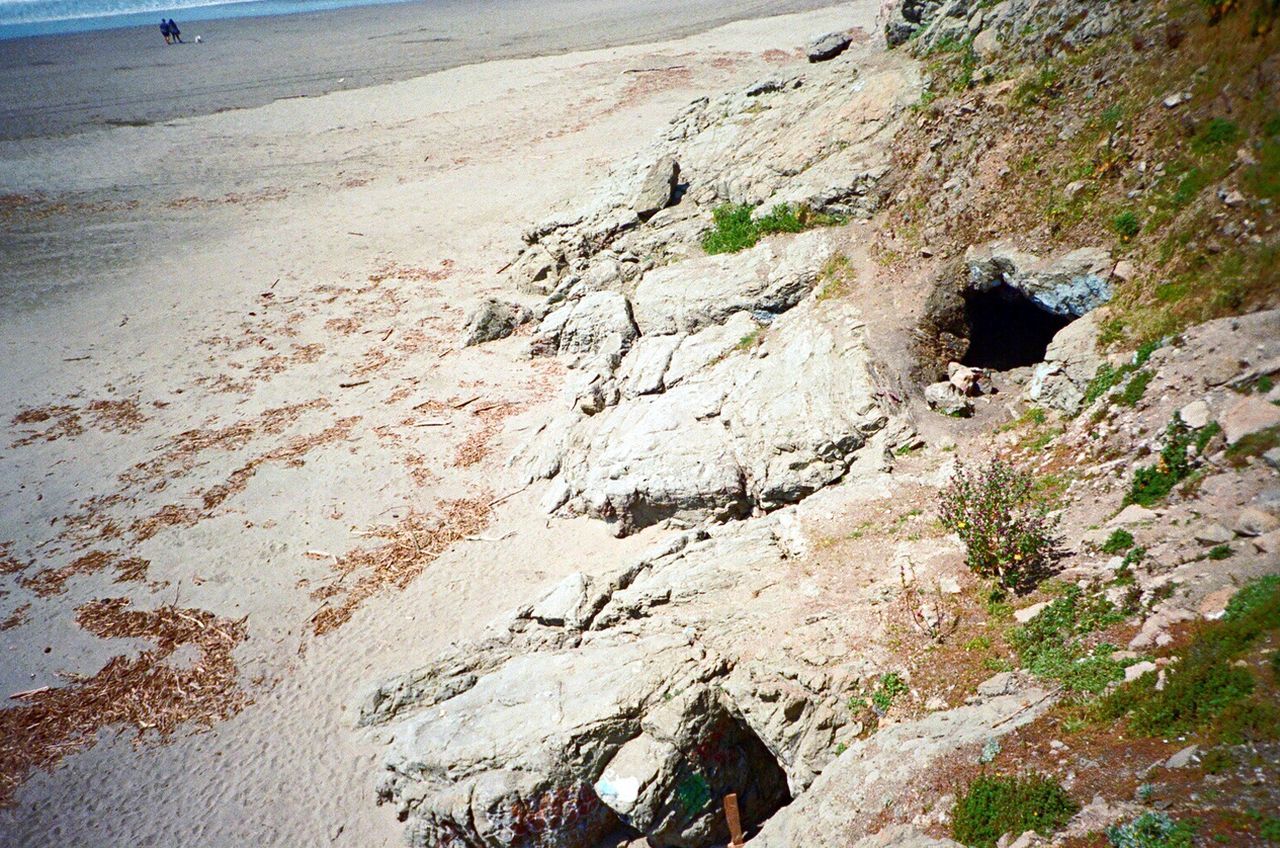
<point x="170" y="31"/>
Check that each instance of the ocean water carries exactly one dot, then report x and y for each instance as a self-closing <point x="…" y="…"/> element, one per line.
<point x="20" y="18"/>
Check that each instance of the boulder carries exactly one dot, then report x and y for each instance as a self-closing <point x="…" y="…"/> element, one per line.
<point x="656" y="188"/>
<point x="565" y="720"/>
<point x="1248" y="415"/>
<point x="736" y="427"/>
<point x="947" y="399"/>
<point x="769" y="278"/>
<point x="828" y="46"/>
<point x="536" y="270"/>
<point x="493" y="319"/>
<point x="1195" y="414"/>
<point x="1070" y="363"/>
<point x="1255" y="522"/>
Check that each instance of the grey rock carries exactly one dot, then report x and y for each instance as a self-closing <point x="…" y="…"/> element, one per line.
<point x="1183" y="758"/>
<point x="494" y="319"/>
<point x="947" y="399"/>
<point x="1070" y="285"/>
<point x="657" y="187"/>
<point x="1272" y="458"/>
<point x="998" y="684"/>
<point x="644" y="368"/>
<point x="1132" y="514"/>
<point x="1070" y="363"/>
<point x="1255" y="522"/>
<point x="1195" y="414"/>
<point x="1133" y="672"/>
<point x="588" y="326"/>
<point x="852" y="790"/>
<point x="828" y="46"/>
<point x="1213" y="534"/>
<point x="771" y="277"/>
<point x="535" y="271"/>
<point x="732" y="431"/>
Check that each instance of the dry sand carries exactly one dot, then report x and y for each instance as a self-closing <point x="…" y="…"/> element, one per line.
<point x="127" y="76"/>
<point x="238" y="376"/>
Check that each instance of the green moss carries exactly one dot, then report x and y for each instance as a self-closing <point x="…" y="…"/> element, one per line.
<point x="1220" y="552"/>
<point x="995" y="805"/>
<point x="1215" y="134"/>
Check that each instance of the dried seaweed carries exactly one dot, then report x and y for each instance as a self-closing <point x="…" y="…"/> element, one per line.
<point x="411" y="545"/>
<point x="143" y="692"/>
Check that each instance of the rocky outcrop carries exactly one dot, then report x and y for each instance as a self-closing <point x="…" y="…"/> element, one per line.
<point x="570" y="717"/>
<point x="828" y="46"/>
<point x="852" y="790"/>
<point x="928" y="23"/>
<point x="817" y="139"/>
<point x="754" y="413"/>
<point x="1070" y="364"/>
<point x="1070" y="284"/>
<point x="493" y="319"/>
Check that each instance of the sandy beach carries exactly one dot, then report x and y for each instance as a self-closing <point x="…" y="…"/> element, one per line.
<point x="246" y="465"/>
<point x="68" y="83"/>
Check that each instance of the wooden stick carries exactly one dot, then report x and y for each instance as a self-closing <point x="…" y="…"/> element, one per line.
<point x="352" y="385"/>
<point x="461" y="404"/>
<point x="508" y="496"/>
<point x="735" y="823"/>
<point x="27" y="693"/>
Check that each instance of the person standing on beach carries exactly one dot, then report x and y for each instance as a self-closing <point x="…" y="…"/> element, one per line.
<point x="164" y="30"/>
<point x="175" y="32"/>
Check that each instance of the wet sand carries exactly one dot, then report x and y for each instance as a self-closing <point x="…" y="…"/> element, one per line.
<point x="128" y="77"/>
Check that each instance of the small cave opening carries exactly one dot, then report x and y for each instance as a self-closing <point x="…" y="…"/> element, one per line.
<point x="1007" y="329"/>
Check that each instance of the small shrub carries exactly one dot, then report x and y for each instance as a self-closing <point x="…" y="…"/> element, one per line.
<point x="1126" y="225"/>
<point x="891" y="685"/>
<point x="1221" y="552"/>
<point x="994" y="806"/>
<point x="735" y="228"/>
<point x="1151" y="484"/>
<point x="1002" y="520"/>
<point x="1118" y="541"/>
<point x="1151" y="830"/>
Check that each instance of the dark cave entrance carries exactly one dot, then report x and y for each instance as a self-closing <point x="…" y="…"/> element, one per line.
<point x="1007" y="329"/>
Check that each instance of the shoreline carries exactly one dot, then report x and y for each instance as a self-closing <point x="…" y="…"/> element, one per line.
<point x="68" y="84"/>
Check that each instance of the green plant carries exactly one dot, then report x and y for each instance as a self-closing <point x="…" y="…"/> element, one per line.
<point x="1151" y="484"/>
<point x="1220" y="552"/>
<point x="995" y="805"/>
<point x="1254" y="444"/>
<point x="1135" y="388"/>
<point x="1206" y="683"/>
<point x="1126" y="224"/>
<point x="1002" y="520"/>
<point x="735" y="228"/>
<point x="891" y="685"/>
<point x="1118" y="541"/>
<point x="1217" y="761"/>
<point x="1216" y="133"/>
<point x="1049" y="645"/>
<point x="1151" y="830"/>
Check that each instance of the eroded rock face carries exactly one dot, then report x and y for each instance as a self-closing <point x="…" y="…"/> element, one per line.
<point x="817" y="139"/>
<point x="743" y="416"/>
<point x="1070" y="364"/>
<point x="568" y="719"/>
<point x="1068" y="285"/>
<point x="771" y="278"/>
